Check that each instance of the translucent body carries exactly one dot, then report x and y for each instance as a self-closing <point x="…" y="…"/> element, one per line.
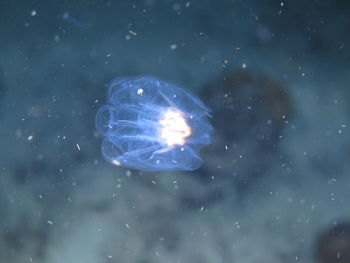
<point x="152" y="125"/>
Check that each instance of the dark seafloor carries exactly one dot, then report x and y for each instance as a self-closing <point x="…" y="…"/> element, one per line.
<point x="275" y="184"/>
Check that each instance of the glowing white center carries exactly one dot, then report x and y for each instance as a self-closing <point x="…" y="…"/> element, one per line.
<point x="140" y="91"/>
<point x="174" y="128"/>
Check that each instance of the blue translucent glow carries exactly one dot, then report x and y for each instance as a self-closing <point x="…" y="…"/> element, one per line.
<point x="152" y="125"/>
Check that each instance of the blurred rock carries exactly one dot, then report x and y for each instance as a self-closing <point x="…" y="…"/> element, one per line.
<point x="333" y="245"/>
<point x="250" y="111"/>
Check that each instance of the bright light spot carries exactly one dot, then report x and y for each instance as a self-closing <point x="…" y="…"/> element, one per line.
<point x="173" y="46"/>
<point x="140" y="91"/>
<point x="117" y="163"/>
<point x="174" y="127"/>
<point x="132" y="33"/>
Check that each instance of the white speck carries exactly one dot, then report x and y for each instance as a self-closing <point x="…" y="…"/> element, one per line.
<point x="49" y="222"/>
<point x="244" y="65"/>
<point x="56" y="38"/>
<point x="132" y="33"/>
<point x="30" y="138"/>
<point x="65" y="15"/>
<point x="78" y="147"/>
<point x="226" y="147"/>
<point x="127" y="225"/>
<point x="173" y="46"/>
<point x="140" y="92"/>
<point x="117" y="163"/>
<point x="176" y="7"/>
<point x="332" y="196"/>
<point x="33" y="13"/>
<point x="333" y="180"/>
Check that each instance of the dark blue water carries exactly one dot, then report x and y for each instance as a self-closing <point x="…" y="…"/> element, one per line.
<point x="274" y="185"/>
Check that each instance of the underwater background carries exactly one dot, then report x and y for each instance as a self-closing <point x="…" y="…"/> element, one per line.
<point x="274" y="185"/>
